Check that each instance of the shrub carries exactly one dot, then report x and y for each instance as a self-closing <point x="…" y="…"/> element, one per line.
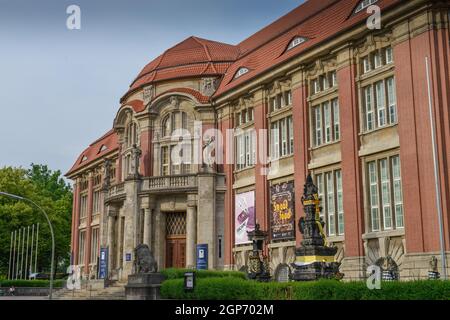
<point x="173" y="273"/>
<point x="31" y="283"/>
<point x="233" y="288"/>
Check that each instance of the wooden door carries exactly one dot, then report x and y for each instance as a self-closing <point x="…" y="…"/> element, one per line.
<point x="176" y="253"/>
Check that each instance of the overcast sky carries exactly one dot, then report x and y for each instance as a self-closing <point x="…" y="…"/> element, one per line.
<point x="60" y="88"/>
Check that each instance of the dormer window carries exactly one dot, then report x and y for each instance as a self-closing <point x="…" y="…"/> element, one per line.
<point x="102" y="148"/>
<point x="296" y="42"/>
<point x="241" y="72"/>
<point x="84" y="159"/>
<point x="364" y="4"/>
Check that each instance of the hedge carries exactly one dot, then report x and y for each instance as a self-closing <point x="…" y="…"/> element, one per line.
<point x="239" y="289"/>
<point x="173" y="273"/>
<point x="31" y="283"/>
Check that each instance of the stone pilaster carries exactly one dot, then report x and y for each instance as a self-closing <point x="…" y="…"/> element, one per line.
<point x="191" y="231"/>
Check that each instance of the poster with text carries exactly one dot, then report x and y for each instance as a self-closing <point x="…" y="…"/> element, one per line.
<point x="244" y="216"/>
<point x="282" y="218"/>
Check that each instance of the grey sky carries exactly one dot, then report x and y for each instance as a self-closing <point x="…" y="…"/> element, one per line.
<point x="60" y="89"/>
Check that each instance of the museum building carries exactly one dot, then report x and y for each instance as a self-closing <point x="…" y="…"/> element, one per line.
<point x="338" y="98"/>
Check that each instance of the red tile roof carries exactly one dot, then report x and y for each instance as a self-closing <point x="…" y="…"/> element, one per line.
<point x="197" y="95"/>
<point x="191" y="57"/>
<point x="92" y="153"/>
<point x="316" y="20"/>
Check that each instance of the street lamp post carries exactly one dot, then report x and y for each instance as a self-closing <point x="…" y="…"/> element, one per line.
<point x="51" y="232"/>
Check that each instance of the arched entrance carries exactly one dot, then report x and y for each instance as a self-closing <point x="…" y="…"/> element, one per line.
<point x="176" y="240"/>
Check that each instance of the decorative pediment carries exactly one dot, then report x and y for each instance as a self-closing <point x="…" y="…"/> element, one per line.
<point x="321" y="66"/>
<point x="243" y="103"/>
<point x="280" y="86"/>
<point x="373" y="42"/>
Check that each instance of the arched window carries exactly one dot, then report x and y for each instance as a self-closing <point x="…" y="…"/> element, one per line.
<point x="241" y="72"/>
<point x="175" y="123"/>
<point x="296" y="42"/>
<point x="364" y="4"/>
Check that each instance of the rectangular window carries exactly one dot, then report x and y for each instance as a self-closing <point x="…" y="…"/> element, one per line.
<point x="281" y="138"/>
<point x="389" y="55"/>
<point x="398" y="195"/>
<point x="334" y="79"/>
<point x="318" y="125"/>
<point x="165" y="161"/>
<point x="336" y="118"/>
<point x="380" y="110"/>
<point x="245" y="149"/>
<point x="340" y="202"/>
<point x="378" y="62"/>
<point x="373" y="195"/>
<point x="392" y="104"/>
<point x="366" y="64"/>
<point x="81" y="247"/>
<point x="325" y="82"/>
<point x="83" y="206"/>
<point x="289" y="97"/>
<point x="385" y="192"/>
<point x="330" y="204"/>
<point x="291" y="135"/>
<point x="275" y="152"/>
<point x="284" y="137"/>
<point x="370" y="119"/>
<point x="381" y="103"/>
<point x="327" y="120"/>
<point x="329" y="185"/>
<point x="97" y="202"/>
<point x="94" y="246"/>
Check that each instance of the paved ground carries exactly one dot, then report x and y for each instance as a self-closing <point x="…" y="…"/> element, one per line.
<point x="23" y="298"/>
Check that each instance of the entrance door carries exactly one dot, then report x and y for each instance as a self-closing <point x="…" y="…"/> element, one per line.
<point x="176" y="253"/>
<point x="176" y="240"/>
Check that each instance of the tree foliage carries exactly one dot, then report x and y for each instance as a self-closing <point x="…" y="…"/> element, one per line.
<point x="48" y="189"/>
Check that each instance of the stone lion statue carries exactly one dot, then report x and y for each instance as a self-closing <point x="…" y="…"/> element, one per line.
<point x="144" y="261"/>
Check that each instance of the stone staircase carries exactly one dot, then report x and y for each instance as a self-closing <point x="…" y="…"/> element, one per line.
<point x="115" y="291"/>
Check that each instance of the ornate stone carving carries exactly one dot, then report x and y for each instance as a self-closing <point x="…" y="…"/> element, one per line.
<point x="107" y="174"/>
<point x="135" y="158"/>
<point x="314" y="259"/>
<point x="208" y="86"/>
<point x="144" y="261"/>
<point x="175" y="102"/>
<point x="147" y="94"/>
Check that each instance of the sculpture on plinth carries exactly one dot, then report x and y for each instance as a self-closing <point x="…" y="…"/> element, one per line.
<point x="144" y="261"/>
<point x="146" y="281"/>
<point x="314" y="259"/>
<point x="258" y="264"/>
<point x="433" y="273"/>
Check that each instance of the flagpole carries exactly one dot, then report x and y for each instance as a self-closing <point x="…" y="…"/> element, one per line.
<point x="436" y="174"/>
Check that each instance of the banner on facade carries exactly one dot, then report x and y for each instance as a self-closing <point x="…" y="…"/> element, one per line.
<point x="103" y="270"/>
<point x="282" y="218"/>
<point x="202" y="257"/>
<point x="244" y="216"/>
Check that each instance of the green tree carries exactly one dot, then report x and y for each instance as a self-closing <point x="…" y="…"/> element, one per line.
<point x="49" y="190"/>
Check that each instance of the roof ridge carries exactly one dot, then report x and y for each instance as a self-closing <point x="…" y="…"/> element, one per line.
<point x="107" y="134"/>
<point x="205" y="47"/>
<point x="284" y="31"/>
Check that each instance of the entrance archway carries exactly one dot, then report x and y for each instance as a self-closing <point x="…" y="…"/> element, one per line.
<point x="176" y="240"/>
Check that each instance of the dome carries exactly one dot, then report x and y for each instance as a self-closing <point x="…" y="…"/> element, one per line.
<point x="190" y="58"/>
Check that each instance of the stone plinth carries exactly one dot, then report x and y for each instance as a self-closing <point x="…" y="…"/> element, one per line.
<point x="145" y="286"/>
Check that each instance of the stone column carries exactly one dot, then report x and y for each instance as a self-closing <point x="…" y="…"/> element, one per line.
<point x="112" y="214"/>
<point x="147" y="238"/>
<point x="191" y="231"/>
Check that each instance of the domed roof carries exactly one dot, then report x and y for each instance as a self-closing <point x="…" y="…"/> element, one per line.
<point x="191" y="57"/>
